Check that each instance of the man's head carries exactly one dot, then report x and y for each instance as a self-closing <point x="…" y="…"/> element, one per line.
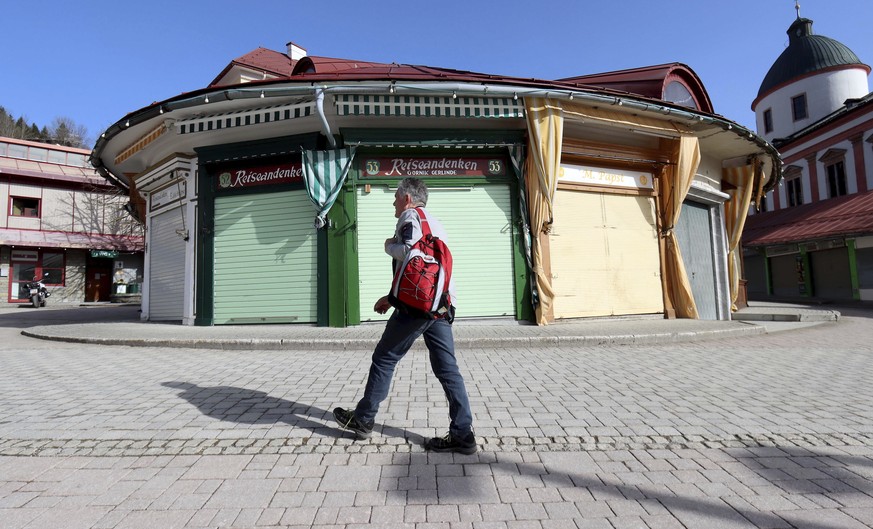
<point x="411" y="193"/>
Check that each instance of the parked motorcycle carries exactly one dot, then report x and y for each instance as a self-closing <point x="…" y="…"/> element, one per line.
<point x="38" y="293"/>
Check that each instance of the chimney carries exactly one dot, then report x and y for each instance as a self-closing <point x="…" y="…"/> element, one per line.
<point x="295" y="52"/>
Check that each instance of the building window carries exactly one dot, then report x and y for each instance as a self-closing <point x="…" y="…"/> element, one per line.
<point x="28" y="265"/>
<point x="24" y="207"/>
<point x="794" y="185"/>
<point x="836" y="179"/>
<point x="795" y="192"/>
<point x="53" y="268"/>
<point x="798" y="107"/>
<point x="834" y="161"/>
<point x="768" y="121"/>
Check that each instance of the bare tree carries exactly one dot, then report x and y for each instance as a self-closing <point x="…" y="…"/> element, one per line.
<point x="65" y="131"/>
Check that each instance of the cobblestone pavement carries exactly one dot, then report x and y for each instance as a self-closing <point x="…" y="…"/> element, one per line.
<point x="760" y="431"/>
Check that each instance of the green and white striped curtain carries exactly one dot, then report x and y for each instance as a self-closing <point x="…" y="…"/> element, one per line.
<point x="324" y="173"/>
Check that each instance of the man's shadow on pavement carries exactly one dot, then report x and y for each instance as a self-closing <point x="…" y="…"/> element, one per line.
<point x="247" y="406"/>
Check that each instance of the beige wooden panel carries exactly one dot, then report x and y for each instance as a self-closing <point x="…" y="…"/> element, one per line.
<point x="604" y="255"/>
<point x="578" y="228"/>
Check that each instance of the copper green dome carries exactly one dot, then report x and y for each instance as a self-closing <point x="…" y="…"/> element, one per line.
<point x="806" y="53"/>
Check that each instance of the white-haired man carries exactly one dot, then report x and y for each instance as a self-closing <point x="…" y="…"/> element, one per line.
<point x="403" y="329"/>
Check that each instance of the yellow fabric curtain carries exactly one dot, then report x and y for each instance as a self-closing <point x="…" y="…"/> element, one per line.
<point x="673" y="193"/>
<point x="545" y="128"/>
<point x="746" y="181"/>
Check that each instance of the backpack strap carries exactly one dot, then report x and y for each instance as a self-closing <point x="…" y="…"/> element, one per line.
<point x="425" y="225"/>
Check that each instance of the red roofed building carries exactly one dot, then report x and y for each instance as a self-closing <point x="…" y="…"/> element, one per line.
<point x="267" y="195"/>
<point x="813" y="235"/>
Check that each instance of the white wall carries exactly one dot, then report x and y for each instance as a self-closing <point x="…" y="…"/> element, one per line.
<point x="825" y="93"/>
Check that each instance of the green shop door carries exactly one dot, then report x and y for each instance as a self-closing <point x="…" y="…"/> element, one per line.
<point x="265" y="259"/>
<point x="478" y="223"/>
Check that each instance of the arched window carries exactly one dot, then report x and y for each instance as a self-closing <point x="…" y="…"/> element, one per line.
<point x="676" y="92"/>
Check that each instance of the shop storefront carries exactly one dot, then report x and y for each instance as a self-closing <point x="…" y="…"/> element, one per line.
<point x="265" y="253"/>
<point x="31" y="264"/>
<point x="257" y="253"/>
<point x="262" y="260"/>
<point x="288" y="199"/>
<point x="604" y="243"/>
<point x="473" y="198"/>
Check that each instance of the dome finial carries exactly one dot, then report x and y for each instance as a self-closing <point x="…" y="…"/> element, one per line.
<point x="797" y="7"/>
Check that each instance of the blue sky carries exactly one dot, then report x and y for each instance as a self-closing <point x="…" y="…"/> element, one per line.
<point x="95" y="61"/>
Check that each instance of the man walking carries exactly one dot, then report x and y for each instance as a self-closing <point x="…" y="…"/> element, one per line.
<point x="403" y="329"/>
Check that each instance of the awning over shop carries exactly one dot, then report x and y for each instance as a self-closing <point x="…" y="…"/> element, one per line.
<point x="846" y="215"/>
<point x="324" y="173"/>
<point x="427" y="106"/>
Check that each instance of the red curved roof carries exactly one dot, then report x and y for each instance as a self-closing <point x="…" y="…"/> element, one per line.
<point x="650" y="81"/>
<point x="332" y="69"/>
<point x="310" y="64"/>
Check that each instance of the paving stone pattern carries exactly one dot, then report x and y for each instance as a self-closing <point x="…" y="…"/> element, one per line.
<point x="764" y="431"/>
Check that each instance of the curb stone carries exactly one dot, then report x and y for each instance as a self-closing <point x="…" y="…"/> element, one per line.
<point x="364" y="344"/>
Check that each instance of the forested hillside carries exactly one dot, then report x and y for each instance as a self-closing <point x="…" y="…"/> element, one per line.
<point x="61" y="131"/>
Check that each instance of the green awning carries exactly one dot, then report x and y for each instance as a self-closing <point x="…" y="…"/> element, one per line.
<point x="324" y="173"/>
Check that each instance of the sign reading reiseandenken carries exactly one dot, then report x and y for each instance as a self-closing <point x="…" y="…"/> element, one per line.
<point x="257" y="176"/>
<point x="582" y="174"/>
<point x="402" y="166"/>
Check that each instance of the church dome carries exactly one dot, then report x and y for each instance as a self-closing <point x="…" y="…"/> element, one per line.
<point x="807" y="53"/>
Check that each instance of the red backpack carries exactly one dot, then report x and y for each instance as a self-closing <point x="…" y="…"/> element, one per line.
<point x="421" y="282"/>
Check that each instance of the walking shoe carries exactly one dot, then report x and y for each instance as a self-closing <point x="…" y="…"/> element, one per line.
<point x="348" y="421"/>
<point x="449" y="443"/>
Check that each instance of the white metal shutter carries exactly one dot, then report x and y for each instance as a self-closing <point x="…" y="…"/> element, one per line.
<point x="477" y="221"/>
<point x="265" y="259"/>
<point x="604" y="255"/>
<point x="166" y="266"/>
<point x="694" y="233"/>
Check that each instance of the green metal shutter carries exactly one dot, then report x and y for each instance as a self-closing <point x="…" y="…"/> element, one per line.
<point x="478" y="223"/>
<point x="265" y="259"/>
<point x="755" y="274"/>
<point x="831" y="277"/>
<point x="783" y="273"/>
<point x="375" y="224"/>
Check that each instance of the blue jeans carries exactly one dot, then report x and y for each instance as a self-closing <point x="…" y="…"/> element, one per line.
<point x="400" y="333"/>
